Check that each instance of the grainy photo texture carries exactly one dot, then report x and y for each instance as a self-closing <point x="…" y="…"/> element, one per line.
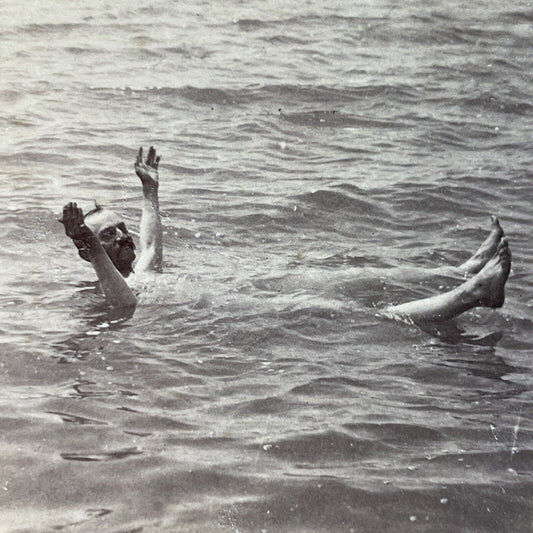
<point x="266" y="266"/>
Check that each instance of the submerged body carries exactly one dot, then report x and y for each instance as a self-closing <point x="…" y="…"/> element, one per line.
<point x="102" y="238"/>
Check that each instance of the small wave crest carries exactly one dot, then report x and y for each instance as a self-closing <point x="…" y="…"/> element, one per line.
<point x="328" y="446"/>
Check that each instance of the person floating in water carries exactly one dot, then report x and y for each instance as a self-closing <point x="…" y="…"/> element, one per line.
<point x="102" y="239"/>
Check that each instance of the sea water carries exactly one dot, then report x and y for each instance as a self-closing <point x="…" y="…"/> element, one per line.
<point x="311" y="153"/>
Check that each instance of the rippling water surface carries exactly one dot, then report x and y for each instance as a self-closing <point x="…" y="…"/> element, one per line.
<point x="315" y="159"/>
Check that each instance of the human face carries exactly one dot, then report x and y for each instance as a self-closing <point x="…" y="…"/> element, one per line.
<point x="114" y="237"/>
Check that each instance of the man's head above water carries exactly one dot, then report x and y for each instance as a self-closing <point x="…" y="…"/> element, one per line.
<point x="113" y="235"/>
<point x="102" y="238"/>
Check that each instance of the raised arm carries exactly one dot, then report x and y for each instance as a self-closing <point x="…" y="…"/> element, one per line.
<point x="151" y="232"/>
<point x="115" y="288"/>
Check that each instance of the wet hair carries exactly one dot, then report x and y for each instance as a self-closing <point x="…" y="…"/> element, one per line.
<point x="124" y="268"/>
<point x="97" y="209"/>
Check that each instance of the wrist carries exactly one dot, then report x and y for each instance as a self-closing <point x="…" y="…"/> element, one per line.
<point x="150" y="189"/>
<point x="151" y="196"/>
<point x="87" y="239"/>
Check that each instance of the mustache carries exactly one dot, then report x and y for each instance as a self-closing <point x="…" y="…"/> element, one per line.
<point x="126" y="241"/>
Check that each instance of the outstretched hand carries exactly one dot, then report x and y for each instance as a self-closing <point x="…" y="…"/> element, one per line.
<point x="147" y="170"/>
<point x="75" y="227"/>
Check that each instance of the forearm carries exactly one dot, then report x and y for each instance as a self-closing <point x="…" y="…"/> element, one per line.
<point x="115" y="288"/>
<point x="151" y="231"/>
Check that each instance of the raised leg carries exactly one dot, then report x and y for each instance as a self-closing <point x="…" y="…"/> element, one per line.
<point x="485" y="251"/>
<point x="484" y="289"/>
<point x="472" y="266"/>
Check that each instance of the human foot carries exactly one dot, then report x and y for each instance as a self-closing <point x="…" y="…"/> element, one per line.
<point x="485" y="289"/>
<point x="485" y="252"/>
<point x="487" y="286"/>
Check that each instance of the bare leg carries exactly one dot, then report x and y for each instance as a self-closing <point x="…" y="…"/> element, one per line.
<point x="485" y="289"/>
<point x="485" y="252"/>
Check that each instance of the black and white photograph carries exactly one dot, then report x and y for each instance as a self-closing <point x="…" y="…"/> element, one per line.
<point x="266" y="266"/>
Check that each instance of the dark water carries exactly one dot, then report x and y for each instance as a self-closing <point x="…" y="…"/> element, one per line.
<point x="314" y="157"/>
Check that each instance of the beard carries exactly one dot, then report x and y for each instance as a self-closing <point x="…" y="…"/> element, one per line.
<point x="123" y="256"/>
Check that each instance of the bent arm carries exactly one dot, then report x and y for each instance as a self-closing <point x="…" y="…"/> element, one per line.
<point x="115" y="288"/>
<point x="151" y="231"/>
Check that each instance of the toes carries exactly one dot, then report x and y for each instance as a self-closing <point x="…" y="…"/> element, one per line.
<point x="503" y="246"/>
<point x="506" y="251"/>
<point x="496" y="226"/>
<point x="504" y="256"/>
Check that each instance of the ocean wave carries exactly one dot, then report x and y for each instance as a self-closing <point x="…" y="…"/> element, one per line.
<point x="395" y="434"/>
<point x="337" y="119"/>
<point x="495" y="102"/>
<point x="330" y="386"/>
<point x="80" y="50"/>
<point x="324" y="447"/>
<point x="288" y="93"/>
<point x="334" y="201"/>
<point x="315" y="158"/>
<point x="252" y="24"/>
<point x="50" y="28"/>
<point x="459" y="136"/>
<point x="519" y="16"/>
<point x="330" y="503"/>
